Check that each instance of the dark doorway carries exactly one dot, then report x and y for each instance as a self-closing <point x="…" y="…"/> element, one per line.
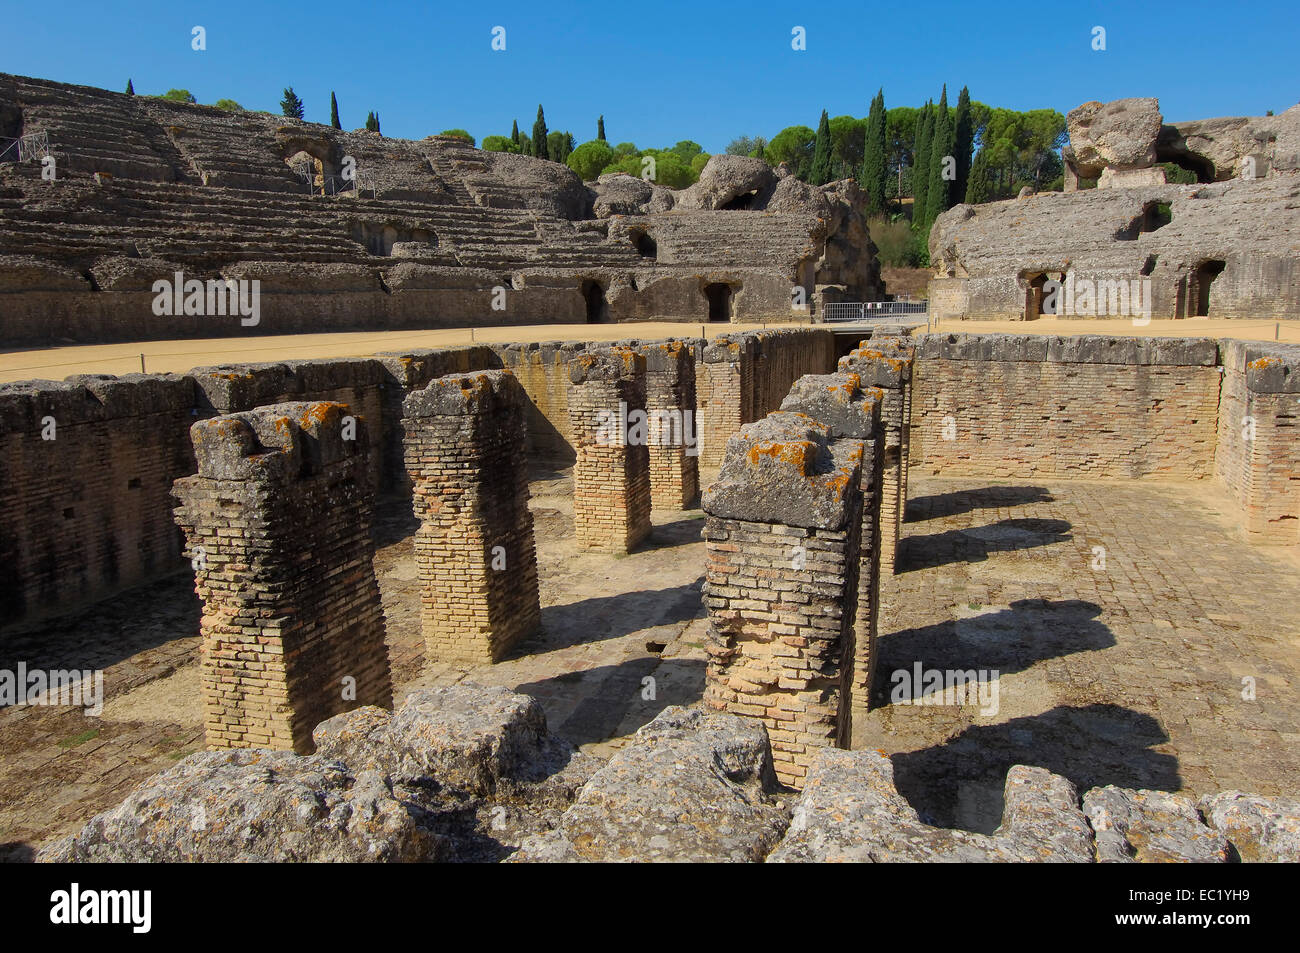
<point x="645" y="245"/>
<point x="1034" y="297"/>
<point x="597" y="307"/>
<point x="719" y="296"/>
<point x="1202" y="278"/>
<point x="741" y="203"/>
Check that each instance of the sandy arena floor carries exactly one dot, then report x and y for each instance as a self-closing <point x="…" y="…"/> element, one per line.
<point x="1131" y="674"/>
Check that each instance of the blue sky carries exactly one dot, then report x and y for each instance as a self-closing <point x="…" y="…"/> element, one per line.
<point x="665" y="71"/>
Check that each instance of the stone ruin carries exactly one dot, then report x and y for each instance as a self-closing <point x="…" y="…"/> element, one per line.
<point x="1223" y="248"/>
<point x="795" y="533"/>
<point x="429" y="234"/>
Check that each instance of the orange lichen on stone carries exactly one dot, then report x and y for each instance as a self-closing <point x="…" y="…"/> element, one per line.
<point x="796" y="453"/>
<point x="314" y="414"/>
<point x="1263" y="362"/>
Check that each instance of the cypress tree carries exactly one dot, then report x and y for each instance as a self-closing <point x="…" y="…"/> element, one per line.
<point x="874" y="165"/>
<point x="514" y="132"/>
<point x="965" y="128"/>
<point x="820" y="172"/>
<point x="921" y="163"/>
<point x="372" y="121"/>
<point x="130" y="90"/>
<point x="979" y="187"/>
<point x="334" y="112"/>
<point x="539" y="136"/>
<point x="600" y="129"/>
<point x="377" y="129"/>
<point x="291" y="105"/>
<point x="938" y="194"/>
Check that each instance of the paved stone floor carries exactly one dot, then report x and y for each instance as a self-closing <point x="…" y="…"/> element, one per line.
<point x="1128" y="674"/>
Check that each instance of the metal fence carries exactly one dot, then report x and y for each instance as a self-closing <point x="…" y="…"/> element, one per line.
<point x="866" y="311"/>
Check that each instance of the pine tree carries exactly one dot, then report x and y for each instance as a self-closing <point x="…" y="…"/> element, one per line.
<point x="291" y="105"/>
<point x="979" y="187"/>
<point x="600" y="129"/>
<point x="540" y="150"/>
<point x="130" y="90"/>
<point x="820" y="172"/>
<point x="875" y="168"/>
<point x="921" y="163"/>
<point x="334" y="112"/>
<point x="377" y="129"/>
<point x="372" y="122"/>
<point x="965" y="144"/>
<point x="514" y="132"/>
<point x="943" y="145"/>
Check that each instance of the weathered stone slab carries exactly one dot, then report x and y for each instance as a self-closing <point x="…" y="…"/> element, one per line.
<point x="1260" y="829"/>
<point x="1150" y="827"/>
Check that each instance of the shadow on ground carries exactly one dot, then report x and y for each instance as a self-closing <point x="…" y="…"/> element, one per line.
<point x="610" y="617"/>
<point x="965" y="501"/>
<point x="959" y="783"/>
<point x="973" y="545"/>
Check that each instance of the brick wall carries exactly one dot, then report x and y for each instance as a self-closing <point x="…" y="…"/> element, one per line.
<point x="670" y="404"/>
<point x="474" y="550"/>
<point x="1086" y="406"/>
<point x="277" y="523"/>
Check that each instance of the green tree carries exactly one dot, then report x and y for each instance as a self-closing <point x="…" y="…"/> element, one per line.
<point x="459" y="134"/>
<point x="600" y="128"/>
<point x="229" y="105"/>
<point x="540" y="149"/>
<point x="921" y="162"/>
<point x="792" y="145"/>
<point x="498" y="144"/>
<point x="559" y="145"/>
<point x="687" y="150"/>
<point x="334" y="111"/>
<point x="130" y="89"/>
<point x="627" y="149"/>
<point x="964" y="127"/>
<point x="875" y="168"/>
<point x="372" y="122"/>
<point x="590" y="159"/>
<point x="179" y="96"/>
<point x="979" y="184"/>
<point x="943" y="163"/>
<point x="698" y="163"/>
<point x="514" y="132"/>
<point x="820" y="171"/>
<point x="745" y="145"/>
<point x="291" y="105"/>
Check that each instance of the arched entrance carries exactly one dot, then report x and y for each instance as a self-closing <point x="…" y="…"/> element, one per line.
<point x="719" y="298"/>
<point x="1202" y="278"/>
<point x="597" y="307"/>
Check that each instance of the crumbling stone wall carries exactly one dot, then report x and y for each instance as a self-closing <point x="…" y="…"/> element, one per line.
<point x="543" y="372"/>
<point x="743" y="376"/>
<point x="611" y="476"/>
<point x="1257" y="456"/>
<point x="86" y="468"/>
<point x="277" y="524"/>
<point x="670" y="406"/>
<point x="474" y="550"/>
<point x="1087" y="406"/>
<point x="782" y="537"/>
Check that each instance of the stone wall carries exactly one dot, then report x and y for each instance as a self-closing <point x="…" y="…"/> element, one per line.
<point x="743" y="376"/>
<point x="670" y="406"/>
<point x="277" y="523"/>
<point x="611" y="476"/>
<point x="86" y="468"/>
<point x="474" y="550"/>
<point x="1087" y="406"/>
<point x="1257" y="456"/>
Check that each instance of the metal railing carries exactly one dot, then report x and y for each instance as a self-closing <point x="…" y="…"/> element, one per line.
<point x="867" y="311"/>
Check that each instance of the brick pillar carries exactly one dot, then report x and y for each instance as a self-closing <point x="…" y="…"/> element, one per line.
<point x="474" y="550"/>
<point x="889" y="368"/>
<point x="781" y="538"/>
<point x="611" y="478"/>
<point x="673" y="437"/>
<point x="277" y="524"/>
<point x="850" y="411"/>
<point x="725" y="386"/>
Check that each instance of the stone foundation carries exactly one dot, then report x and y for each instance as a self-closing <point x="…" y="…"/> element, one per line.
<point x="277" y="524"/>
<point x="611" y="478"/>
<point x="474" y="550"/>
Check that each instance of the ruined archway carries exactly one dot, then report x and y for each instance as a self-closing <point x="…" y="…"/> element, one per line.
<point x="1202" y="278"/>
<point x="719" y="297"/>
<point x="1034" y="291"/>
<point x="644" y="244"/>
<point x="597" y="307"/>
<point x="1154" y="215"/>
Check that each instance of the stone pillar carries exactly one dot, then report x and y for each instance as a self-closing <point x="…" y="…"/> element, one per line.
<point x="887" y="365"/>
<point x="850" y="411"/>
<point x="611" y="478"/>
<point x="474" y="550"/>
<point x="673" y="437"/>
<point x="277" y="525"/>
<point x="726" y="372"/>
<point x="781" y="538"/>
